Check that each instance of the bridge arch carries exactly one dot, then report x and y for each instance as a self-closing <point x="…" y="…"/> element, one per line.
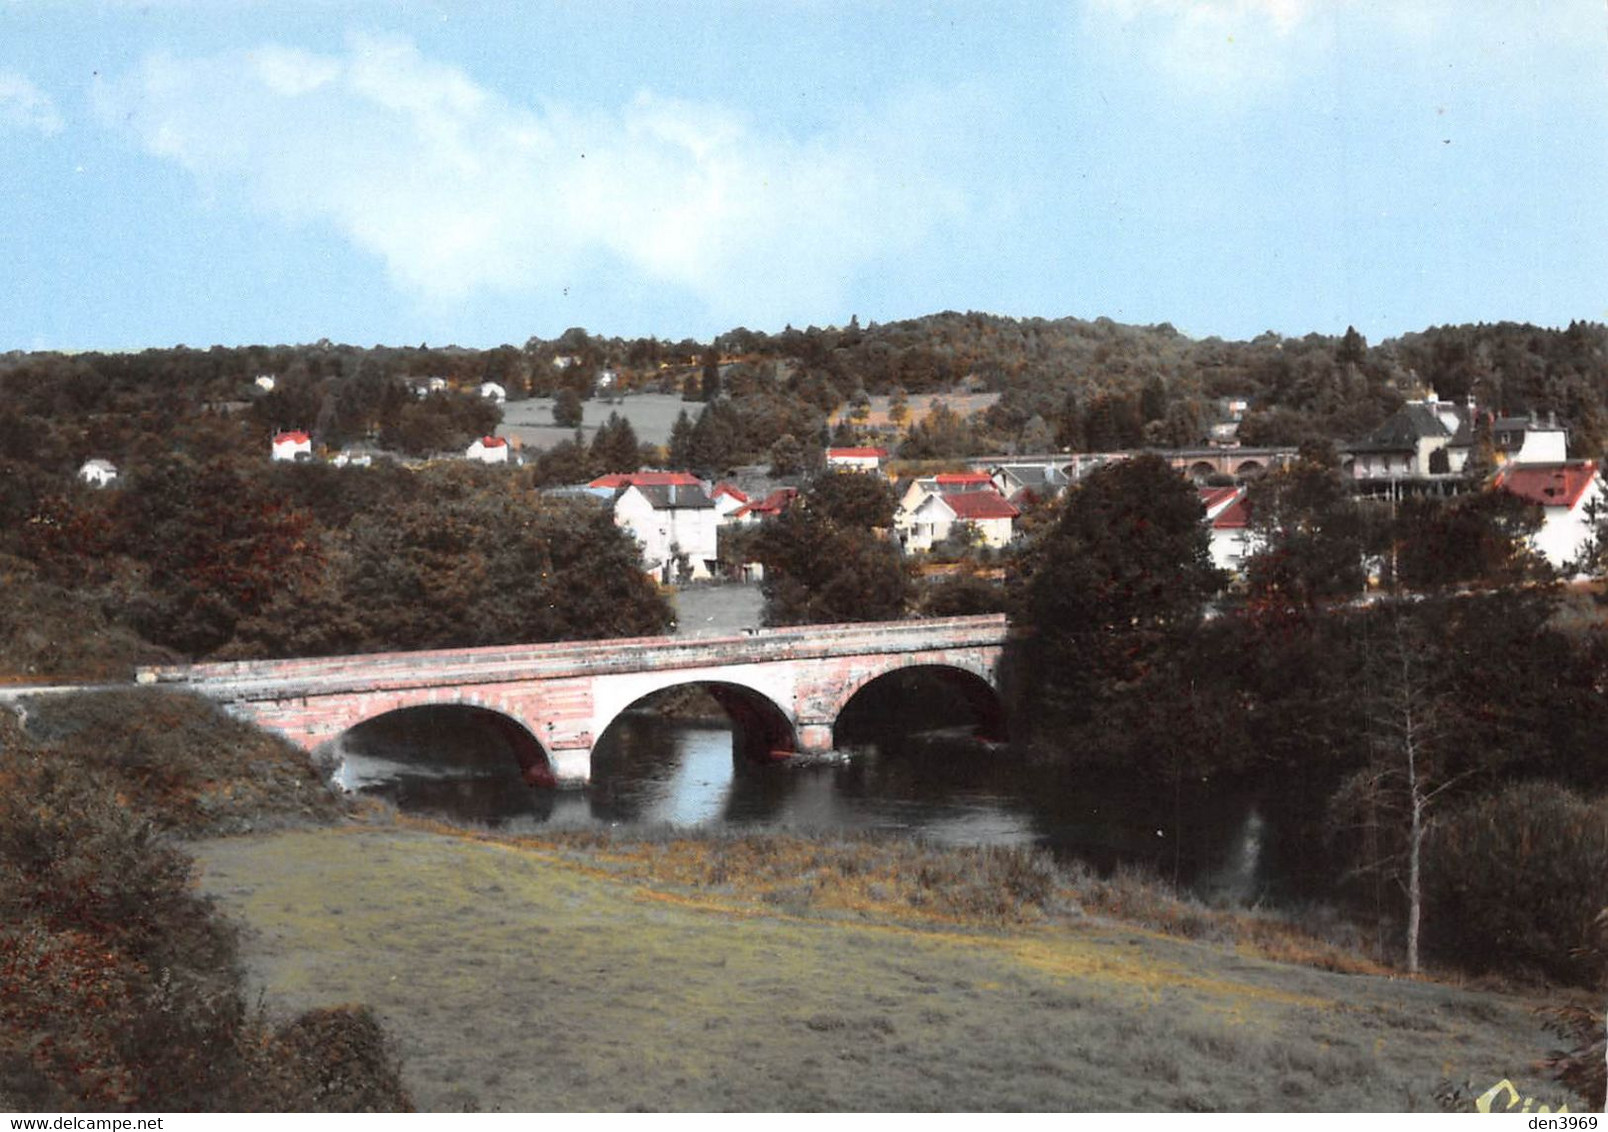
<point x="1202" y="470"/>
<point x="970" y="685"/>
<point x="762" y="730"/>
<point x="519" y="743"/>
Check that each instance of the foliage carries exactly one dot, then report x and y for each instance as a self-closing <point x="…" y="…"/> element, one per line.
<point x="824" y="562"/>
<point x="119" y="985"/>
<point x="567" y="409"/>
<point x="1308" y="538"/>
<point x="1480" y="538"/>
<point x="1117" y="584"/>
<point x="1517" y="879"/>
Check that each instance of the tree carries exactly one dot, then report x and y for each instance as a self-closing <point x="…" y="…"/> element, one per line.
<point x="709" y="380"/>
<point x="567" y="409"/>
<point x="1308" y="537"/>
<point x="823" y="562"/>
<point x="1117" y="585"/>
<point x="615" y="447"/>
<point x="1394" y="796"/>
<point x="1481" y="537"/>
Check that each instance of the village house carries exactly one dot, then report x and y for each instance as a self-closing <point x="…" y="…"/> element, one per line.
<point x="1570" y="496"/>
<point x="265" y="382"/>
<point x="292" y="445"/>
<point x="856" y="459"/>
<point x="728" y="501"/>
<point x="1422" y="440"/>
<point x="1529" y="440"/>
<point x="493" y="392"/>
<point x="1025" y="484"/>
<point x="1228" y="516"/>
<point x="940" y="516"/>
<point x="98" y="472"/>
<point x="773" y="505"/>
<point x="488" y="450"/>
<point x="672" y="517"/>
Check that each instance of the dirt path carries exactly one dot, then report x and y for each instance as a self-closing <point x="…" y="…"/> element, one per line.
<point x="517" y="979"/>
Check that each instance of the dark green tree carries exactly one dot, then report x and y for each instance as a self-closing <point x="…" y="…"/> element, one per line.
<point x="568" y="410"/>
<point x="1118" y="584"/>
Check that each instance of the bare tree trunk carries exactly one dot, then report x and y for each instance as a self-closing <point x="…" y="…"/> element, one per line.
<point x="1415" y="895"/>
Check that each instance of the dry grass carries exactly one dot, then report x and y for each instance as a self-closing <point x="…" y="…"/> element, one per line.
<point x="776" y="973"/>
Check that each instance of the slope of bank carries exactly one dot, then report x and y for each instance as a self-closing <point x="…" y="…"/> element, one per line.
<point x="523" y="976"/>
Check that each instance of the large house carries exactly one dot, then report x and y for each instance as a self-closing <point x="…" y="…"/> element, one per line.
<point x="1421" y="440"/>
<point x="671" y="515"/>
<point x="98" y="472"/>
<point x="1569" y="495"/>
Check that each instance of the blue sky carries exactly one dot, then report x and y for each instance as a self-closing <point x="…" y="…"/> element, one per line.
<point x="217" y="172"/>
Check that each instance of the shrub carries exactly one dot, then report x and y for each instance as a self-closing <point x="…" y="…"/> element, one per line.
<point x="1515" y="879"/>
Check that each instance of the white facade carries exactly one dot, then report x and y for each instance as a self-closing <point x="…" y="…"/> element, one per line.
<point x="289" y="445"/>
<point x="489" y="450"/>
<point x="98" y="473"/>
<point x="677" y="527"/>
<point x="493" y="392"/>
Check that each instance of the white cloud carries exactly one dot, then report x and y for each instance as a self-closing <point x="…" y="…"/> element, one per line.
<point x="458" y="189"/>
<point x="1235" y="51"/>
<point x="24" y="106"/>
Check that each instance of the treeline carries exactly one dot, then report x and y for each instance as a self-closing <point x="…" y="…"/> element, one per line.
<point x="217" y="556"/>
<point x="1443" y="747"/>
<point x="1083" y="385"/>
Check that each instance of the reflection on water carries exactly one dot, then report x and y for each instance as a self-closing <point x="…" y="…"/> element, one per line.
<point x="652" y="771"/>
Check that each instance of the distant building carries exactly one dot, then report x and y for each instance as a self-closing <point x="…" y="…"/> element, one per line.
<point x="493" y="392"/>
<point x="265" y="382"/>
<point x="856" y="459"/>
<point x="1529" y="440"/>
<point x="98" y="472"/>
<point x="728" y="500"/>
<point x="488" y="450"/>
<point x="292" y="445"/>
<point x="1569" y="495"/>
<point x="1422" y="440"/>
<point x="1229" y="517"/>
<point x="673" y="520"/>
<point x="936" y="516"/>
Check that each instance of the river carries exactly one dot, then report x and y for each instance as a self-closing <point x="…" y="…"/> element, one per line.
<point x="1219" y="840"/>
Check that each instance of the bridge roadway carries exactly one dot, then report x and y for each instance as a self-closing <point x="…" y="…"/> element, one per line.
<point x="784" y="688"/>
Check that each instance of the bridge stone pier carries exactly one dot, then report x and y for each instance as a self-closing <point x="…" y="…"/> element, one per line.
<point x="784" y="688"/>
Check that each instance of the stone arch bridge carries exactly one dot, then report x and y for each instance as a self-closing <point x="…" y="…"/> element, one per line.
<point x="783" y="688"/>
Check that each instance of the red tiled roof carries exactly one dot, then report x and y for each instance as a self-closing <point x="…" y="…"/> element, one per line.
<point x="293" y="438"/>
<point x="1550" y="485"/>
<point x="1233" y="517"/>
<point x="647" y="479"/>
<point x="981" y="505"/>
<point x="492" y="442"/>
<point x="1214" y="497"/>
<point x="857" y="453"/>
<point x="727" y="489"/>
<point x="962" y="477"/>
<point x="773" y="504"/>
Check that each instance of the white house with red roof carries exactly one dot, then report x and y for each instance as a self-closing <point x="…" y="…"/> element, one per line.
<point x="774" y="504"/>
<point x="938" y="515"/>
<point x="291" y="445"/>
<point x="1569" y="495"/>
<point x="488" y="450"/>
<point x="1229" y="518"/>
<point x="728" y="501"/>
<point x="856" y="459"/>
<point x="671" y="516"/>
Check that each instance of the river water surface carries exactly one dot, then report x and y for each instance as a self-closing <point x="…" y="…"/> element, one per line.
<point x="653" y="771"/>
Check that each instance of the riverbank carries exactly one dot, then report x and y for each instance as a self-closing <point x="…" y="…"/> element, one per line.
<point x="522" y="974"/>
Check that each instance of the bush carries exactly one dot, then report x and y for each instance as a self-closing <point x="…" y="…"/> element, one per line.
<point x="1515" y="881"/>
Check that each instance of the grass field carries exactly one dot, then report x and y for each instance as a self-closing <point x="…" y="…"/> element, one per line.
<point x="545" y="975"/>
